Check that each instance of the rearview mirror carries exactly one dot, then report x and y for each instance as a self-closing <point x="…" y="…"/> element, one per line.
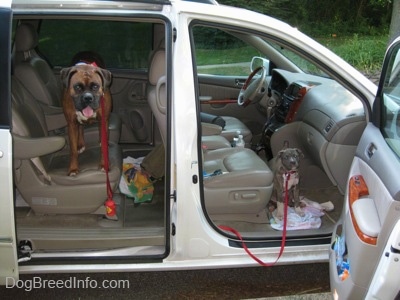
<point x="257" y="62"/>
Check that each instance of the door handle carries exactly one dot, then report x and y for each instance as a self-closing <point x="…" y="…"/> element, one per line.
<point x="371" y="150"/>
<point x="240" y="82"/>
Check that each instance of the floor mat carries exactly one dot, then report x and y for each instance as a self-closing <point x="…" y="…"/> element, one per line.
<point x="25" y="217"/>
<point x="150" y="214"/>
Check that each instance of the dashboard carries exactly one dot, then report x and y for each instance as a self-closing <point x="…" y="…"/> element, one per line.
<point x="318" y="101"/>
<point x="317" y="115"/>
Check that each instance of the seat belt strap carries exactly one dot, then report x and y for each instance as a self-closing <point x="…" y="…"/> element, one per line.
<point x="39" y="165"/>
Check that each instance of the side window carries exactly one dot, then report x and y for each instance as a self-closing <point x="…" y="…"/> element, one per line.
<point x="391" y="102"/>
<point x="220" y="53"/>
<point x="123" y="45"/>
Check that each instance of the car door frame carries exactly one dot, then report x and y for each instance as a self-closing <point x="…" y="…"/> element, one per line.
<point x="8" y="247"/>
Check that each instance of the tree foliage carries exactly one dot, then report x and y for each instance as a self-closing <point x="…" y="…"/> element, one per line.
<point x="321" y="18"/>
<point x="395" y="22"/>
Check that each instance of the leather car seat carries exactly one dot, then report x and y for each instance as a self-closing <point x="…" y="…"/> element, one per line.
<point x="37" y="76"/>
<point x="245" y="183"/>
<point x="41" y="164"/>
<point x="228" y="129"/>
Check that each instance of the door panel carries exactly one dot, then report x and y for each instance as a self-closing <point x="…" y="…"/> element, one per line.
<point x="365" y="240"/>
<point x="130" y="103"/>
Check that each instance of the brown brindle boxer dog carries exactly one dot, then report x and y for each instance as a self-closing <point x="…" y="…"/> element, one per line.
<point x="84" y="86"/>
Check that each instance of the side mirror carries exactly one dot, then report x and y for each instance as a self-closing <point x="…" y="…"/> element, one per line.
<point x="257" y="62"/>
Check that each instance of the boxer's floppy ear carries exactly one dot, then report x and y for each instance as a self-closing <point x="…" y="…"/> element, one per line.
<point x="106" y="77"/>
<point x="66" y="74"/>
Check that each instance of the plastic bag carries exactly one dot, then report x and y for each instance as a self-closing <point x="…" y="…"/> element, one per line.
<point x="296" y="222"/>
<point x="134" y="182"/>
<point x="313" y="211"/>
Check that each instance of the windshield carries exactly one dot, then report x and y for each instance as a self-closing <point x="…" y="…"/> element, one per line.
<point x="303" y="64"/>
<point x="229" y="53"/>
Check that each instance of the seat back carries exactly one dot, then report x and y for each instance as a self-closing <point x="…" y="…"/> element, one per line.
<point x="156" y="91"/>
<point x="28" y="118"/>
<point x="32" y="70"/>
<point x="38" y="78"/>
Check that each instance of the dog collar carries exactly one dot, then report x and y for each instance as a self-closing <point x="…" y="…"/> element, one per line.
<point x="290" y="179"/>
<point x="82" y="63"/>
<point x="290" y="172"/>
<point x="288" y="175"/>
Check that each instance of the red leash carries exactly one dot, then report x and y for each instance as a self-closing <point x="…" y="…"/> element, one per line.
<point x="235" y="232"/>
<point x="110" y="204"/>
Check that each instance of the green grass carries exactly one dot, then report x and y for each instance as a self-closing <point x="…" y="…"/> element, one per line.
<point x="365" y="53"/>
<point x="224" y="56"/>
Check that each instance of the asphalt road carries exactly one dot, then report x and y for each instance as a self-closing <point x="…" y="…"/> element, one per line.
<point x="230" y="284"/>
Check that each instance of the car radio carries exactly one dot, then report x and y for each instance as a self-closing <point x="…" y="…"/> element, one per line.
<point x="291" y="100"/>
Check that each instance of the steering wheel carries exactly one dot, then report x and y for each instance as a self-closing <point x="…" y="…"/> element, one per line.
<point x="253" y="91"/>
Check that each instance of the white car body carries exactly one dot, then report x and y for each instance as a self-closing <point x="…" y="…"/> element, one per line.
<point x="194" y="243"/>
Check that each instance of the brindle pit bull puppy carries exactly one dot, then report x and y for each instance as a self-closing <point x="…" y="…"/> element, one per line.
<point x="84" y="86"/>
<point x="287" y="169"/>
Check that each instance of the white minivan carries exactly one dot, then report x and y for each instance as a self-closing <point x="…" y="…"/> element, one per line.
<point x="204" y="98"/>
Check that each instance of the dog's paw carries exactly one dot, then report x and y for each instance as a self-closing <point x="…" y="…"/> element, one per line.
<point x="73" y="173"/>
<point x="279" y="211"/>
<point x="299" y="211"/>
<point x="81" y="149"/>
<point x="102" y="168"/>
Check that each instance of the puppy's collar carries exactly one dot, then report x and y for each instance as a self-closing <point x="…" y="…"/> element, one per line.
<point x="290" y="172"/>
<point x="83" y="63"/>
<point x="288" y="175"/>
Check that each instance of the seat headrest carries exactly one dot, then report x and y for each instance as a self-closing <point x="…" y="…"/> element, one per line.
<point x="26" y="37"/>
<point x="157" y="66"/>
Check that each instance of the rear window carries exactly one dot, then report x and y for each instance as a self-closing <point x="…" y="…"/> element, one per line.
<point x="122" y="45"/>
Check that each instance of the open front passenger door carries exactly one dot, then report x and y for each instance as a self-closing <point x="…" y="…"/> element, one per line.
<point x="365" y="254"/>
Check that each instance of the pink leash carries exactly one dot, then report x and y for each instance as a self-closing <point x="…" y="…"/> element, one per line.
<point x="110" y="204"/>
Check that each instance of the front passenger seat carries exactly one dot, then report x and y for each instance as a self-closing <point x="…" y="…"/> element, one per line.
<point x="226" y="126"/>
<point x="244" y="185"/>
<point x="157" y="101"/>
